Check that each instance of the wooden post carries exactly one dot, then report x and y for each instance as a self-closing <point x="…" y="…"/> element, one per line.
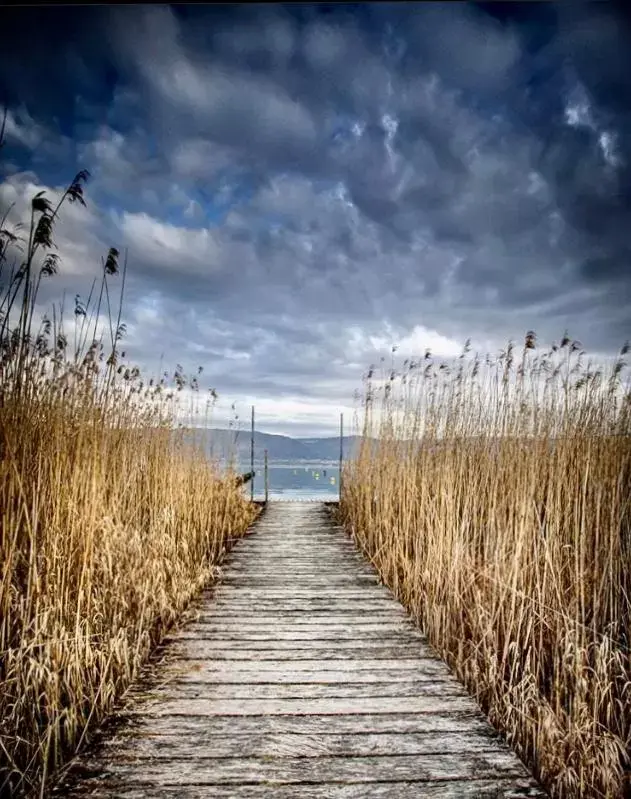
<point x="266" y="479"/>
<point x="252" y="458"/>
<point x="341" y="453"/>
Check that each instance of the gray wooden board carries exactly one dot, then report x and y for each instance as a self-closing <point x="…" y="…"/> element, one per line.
<point x="513" y="788"/>
<point x="247" y="593"/>
<point x="331" y="744"/>
<point x="294" y="617"/>
<point x="308" y="666"/>
<point x="300" y="676"/>
<point x="201" y="672"/>
<point x="298" y="696"/>
<point x="198" y="770"/>
<point x="198" y="649"/>
<point x="227" y="609"/>
<point x="303" y="632"/>
<point x="147" y="724"/>
<point x="230" y="731"/>
<point x="202" y="689"/>
<point x="455" y="700"/>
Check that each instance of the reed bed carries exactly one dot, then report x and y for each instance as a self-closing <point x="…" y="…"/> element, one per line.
<point x="493" y="496"/>
<point x="110" y="521"/>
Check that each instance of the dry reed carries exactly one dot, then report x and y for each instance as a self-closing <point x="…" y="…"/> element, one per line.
<point x="109" y="521"/>
<point x="494" y="500"/>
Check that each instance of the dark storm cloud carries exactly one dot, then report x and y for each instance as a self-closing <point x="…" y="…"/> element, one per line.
<point x="298" y="186"/>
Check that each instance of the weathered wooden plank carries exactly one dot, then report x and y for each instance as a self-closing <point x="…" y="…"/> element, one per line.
<point x="303" y="707"/>
<point x="326" y="558"/>
<point x="302" y="579"/>
<point x="241" y="595"/>
<point x="205" y="728"/>
<point x="294" y="617"/>
<point x="329" y="744"/>
<point x="322" y="562"/>
<point x="303" y="605"/>
<point x="512" y="788"/>
<point x="314" y="577"/>
<point x="327" y="554"/>
<point x="284" y="590"/>
<point x="357" y="584"/>
<point x="343" y="635"/>
<point x="306" y="575"/>
<point x="197" y="770"/>
<point x="293" y="612"/>
<point x="347" y="595"/>
<point x="298" y="545"/>
<point x="319" y="560"/>
<point x="310" y="665"/>
<point x="295" y="598"/>
<point x="191" y="689"/>
<point x="356" y="626"/>
<point x="197" y="649"/>
<point x="208" y="644"/>
<point x="200" y="672"/>
<point x="302" y="552"/>
<point x="239" y="598"/>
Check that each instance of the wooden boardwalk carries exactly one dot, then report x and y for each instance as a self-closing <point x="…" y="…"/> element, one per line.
<point x="303" y="677"/>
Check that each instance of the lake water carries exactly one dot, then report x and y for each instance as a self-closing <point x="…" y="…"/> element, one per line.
<point x="297" y="482"/>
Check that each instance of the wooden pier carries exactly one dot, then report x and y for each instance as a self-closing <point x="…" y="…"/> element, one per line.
<point x="302" y="677"/>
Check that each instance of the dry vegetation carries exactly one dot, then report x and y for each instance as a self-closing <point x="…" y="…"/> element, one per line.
<point x="109" y="523"/>
<point x="496" y="505"/>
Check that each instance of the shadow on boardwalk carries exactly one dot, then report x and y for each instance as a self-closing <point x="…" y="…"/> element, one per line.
<point x="301" y="677"/>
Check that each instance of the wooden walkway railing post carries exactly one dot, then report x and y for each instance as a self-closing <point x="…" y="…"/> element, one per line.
<point x="266" y="479"/>
<point x="252" y="458"/>
<point x="341" y="454"/>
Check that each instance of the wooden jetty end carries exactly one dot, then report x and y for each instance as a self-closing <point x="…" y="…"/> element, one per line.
<point x="303" y="677"/>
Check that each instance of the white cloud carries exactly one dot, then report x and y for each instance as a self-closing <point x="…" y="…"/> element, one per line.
<point x="170" y="247"/>
<point x="608" y="145"/>
<point x="578" y="113"/>
<point x="77" y="233"/>
<point x="22" y="128"/>
<point x="421" y="339"/>
<point x="287" y="415"/>
<point x="367" y="344"/>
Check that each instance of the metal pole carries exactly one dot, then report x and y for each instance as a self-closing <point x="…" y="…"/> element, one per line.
<point x="341" y="452"/>
<point x="266" y="479"/>
<point x="252" y="458"/>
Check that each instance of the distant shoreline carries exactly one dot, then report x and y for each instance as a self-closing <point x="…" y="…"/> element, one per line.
<point x="287" y="464"/>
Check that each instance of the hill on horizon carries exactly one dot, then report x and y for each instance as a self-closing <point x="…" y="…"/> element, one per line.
<point x="223" y="444"/>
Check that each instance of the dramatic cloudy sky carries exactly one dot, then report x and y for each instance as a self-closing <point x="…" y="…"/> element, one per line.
<point x="301" y="187"/>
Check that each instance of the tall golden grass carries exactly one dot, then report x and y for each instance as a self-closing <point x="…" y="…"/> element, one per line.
<point x="109" y="521"/>
<point x="495" y="502"/>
